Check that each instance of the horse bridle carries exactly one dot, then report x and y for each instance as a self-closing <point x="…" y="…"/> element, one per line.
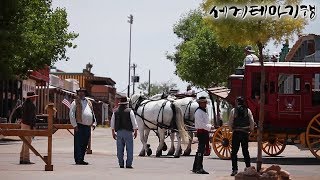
<point x="137" y="102"/>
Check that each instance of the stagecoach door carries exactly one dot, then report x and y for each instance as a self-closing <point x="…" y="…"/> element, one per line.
<point x="289" y="99"/>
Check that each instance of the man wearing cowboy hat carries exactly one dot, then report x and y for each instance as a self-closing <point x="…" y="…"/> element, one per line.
<point x="82" y="118"/>
<point x="27" y="123"/>
<point x="203" y="126"/>
<point x="241" y="123"/>
<point x="250" y="57"/>
<point x="124" y="129"/>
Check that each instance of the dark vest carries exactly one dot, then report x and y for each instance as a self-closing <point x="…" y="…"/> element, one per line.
<point x="241" y="117"/>
<point x="29" y="113"/>
<point x="122" y="119"/>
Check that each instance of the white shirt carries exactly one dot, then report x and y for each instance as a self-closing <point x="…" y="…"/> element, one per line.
<point x="201" y="120"/>
<point x="231" y="118"/>
<point x="250" y="58"/>
<point x="87" y="114"/>
<point x="132" y="117"/>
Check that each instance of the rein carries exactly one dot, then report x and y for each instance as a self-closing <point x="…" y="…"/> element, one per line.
<point x="188" y="108"/>
<point x="158" y="124"/>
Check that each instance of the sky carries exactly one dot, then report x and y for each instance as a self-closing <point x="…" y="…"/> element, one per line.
<point x="104" y="37"/>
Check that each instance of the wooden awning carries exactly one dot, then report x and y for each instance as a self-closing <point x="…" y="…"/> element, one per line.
<point x="101" y="81"/>
<point x="41" y="74"/>
<point x="221" y="92"/>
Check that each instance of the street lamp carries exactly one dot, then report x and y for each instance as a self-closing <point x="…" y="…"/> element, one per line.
<point x="130" y="20"/>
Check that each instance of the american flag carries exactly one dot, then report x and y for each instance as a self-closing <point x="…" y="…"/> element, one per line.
<point x="66" y="102"/>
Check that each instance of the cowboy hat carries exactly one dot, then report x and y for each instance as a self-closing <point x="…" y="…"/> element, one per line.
<point x="82" y="90"/>
<point x="202" y="99"/>
<point x="240" y="100"/>
<point x="123" y="100"/>
<point x="249" y="49"/>
<point x="31" y="94"/>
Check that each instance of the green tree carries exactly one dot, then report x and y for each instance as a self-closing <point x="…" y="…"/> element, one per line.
<point x="156" y="88"/>
<point x="257" y="31"/>
<point x="199" y="59"/>
<point x="32" y="35"/>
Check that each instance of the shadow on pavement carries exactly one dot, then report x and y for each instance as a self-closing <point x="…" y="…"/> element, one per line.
<point x="287" y="160"/>
<point x="8" y="141"/>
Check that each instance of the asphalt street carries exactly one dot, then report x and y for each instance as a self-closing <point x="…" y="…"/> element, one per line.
<point x="103" y="161"/>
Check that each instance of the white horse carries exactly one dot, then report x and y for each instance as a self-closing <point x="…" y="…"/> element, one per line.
<point x="188" y="106"/>
<point x="158" y="115"/>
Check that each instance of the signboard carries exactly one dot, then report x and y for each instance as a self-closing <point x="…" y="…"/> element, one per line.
<point x="28" y="85"/>
<point x="289" y="103"/>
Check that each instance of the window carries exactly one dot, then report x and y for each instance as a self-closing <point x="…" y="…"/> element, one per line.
<point x="316" y="90"/>
<point x="272" y="87"/>
<point x="285" y="83"/>
<point x="297" y="84"/>
<point x="255" y="84"/>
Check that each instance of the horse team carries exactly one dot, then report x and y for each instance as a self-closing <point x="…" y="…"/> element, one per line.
<point x="165" y="116"/>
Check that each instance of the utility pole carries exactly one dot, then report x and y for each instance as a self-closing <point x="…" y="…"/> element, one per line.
<point x="130" y="21"/>
<point x="134" y="76"/>
<point x="149" y="88"/>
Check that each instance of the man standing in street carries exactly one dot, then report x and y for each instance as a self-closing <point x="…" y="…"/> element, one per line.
<point x="241" y="123"/>
<point x="203" y="127"/>
<point x="27" y="123"/>
<point x="81" y="118"/>
<point x="124" y="129"/>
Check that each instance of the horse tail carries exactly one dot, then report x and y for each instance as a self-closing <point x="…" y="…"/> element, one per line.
<point x="180" y="125"/>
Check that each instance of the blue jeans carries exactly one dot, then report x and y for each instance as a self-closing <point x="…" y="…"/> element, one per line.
<point x="125" y="139"/>
<point x="81" y="139"/>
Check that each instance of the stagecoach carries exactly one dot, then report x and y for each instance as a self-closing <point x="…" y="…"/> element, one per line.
<point x="292" y="106"/>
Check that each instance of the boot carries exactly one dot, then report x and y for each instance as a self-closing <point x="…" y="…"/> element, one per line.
<point x="234" y="172"/>
<point x="195" y="164"/>
<point x="200" y="169"/>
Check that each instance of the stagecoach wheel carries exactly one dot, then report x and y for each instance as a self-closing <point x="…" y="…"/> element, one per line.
<point x="221" y="142"/>
<point x="273" y="146"/>
<point x="313" y="136"/>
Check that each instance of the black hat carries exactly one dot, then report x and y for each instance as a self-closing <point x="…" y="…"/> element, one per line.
<point x="240" y="100"/>
<point x="31" y="94"/>
<point x="202" y="99"/>
<point x="82" y="90"/>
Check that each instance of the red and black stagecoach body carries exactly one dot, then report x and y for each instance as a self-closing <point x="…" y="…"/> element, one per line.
<point x="291" y="110"/>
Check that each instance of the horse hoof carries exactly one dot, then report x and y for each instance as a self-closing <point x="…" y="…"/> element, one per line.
<point x="170" y="153"/>
<point x="176" y="156"/>
<point x="142" y="154"/>
<point x="187" y="152"/>
<point x="165" y="147"/>
<point x="149" y="152"/>
<point x="159" y="153"/>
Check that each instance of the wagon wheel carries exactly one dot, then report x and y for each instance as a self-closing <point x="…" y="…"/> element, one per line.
<point x="221" y="142"/>
<point x="273" y="146"/>
<point x="313" y="136"/>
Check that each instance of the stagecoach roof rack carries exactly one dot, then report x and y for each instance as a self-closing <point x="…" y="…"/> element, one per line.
<point x="288" y="64"/>
<point x="236" y="75"/>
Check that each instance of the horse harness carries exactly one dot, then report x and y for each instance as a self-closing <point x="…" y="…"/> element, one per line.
<point x="188" y="121"/>
<point x="172" y="125"/>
